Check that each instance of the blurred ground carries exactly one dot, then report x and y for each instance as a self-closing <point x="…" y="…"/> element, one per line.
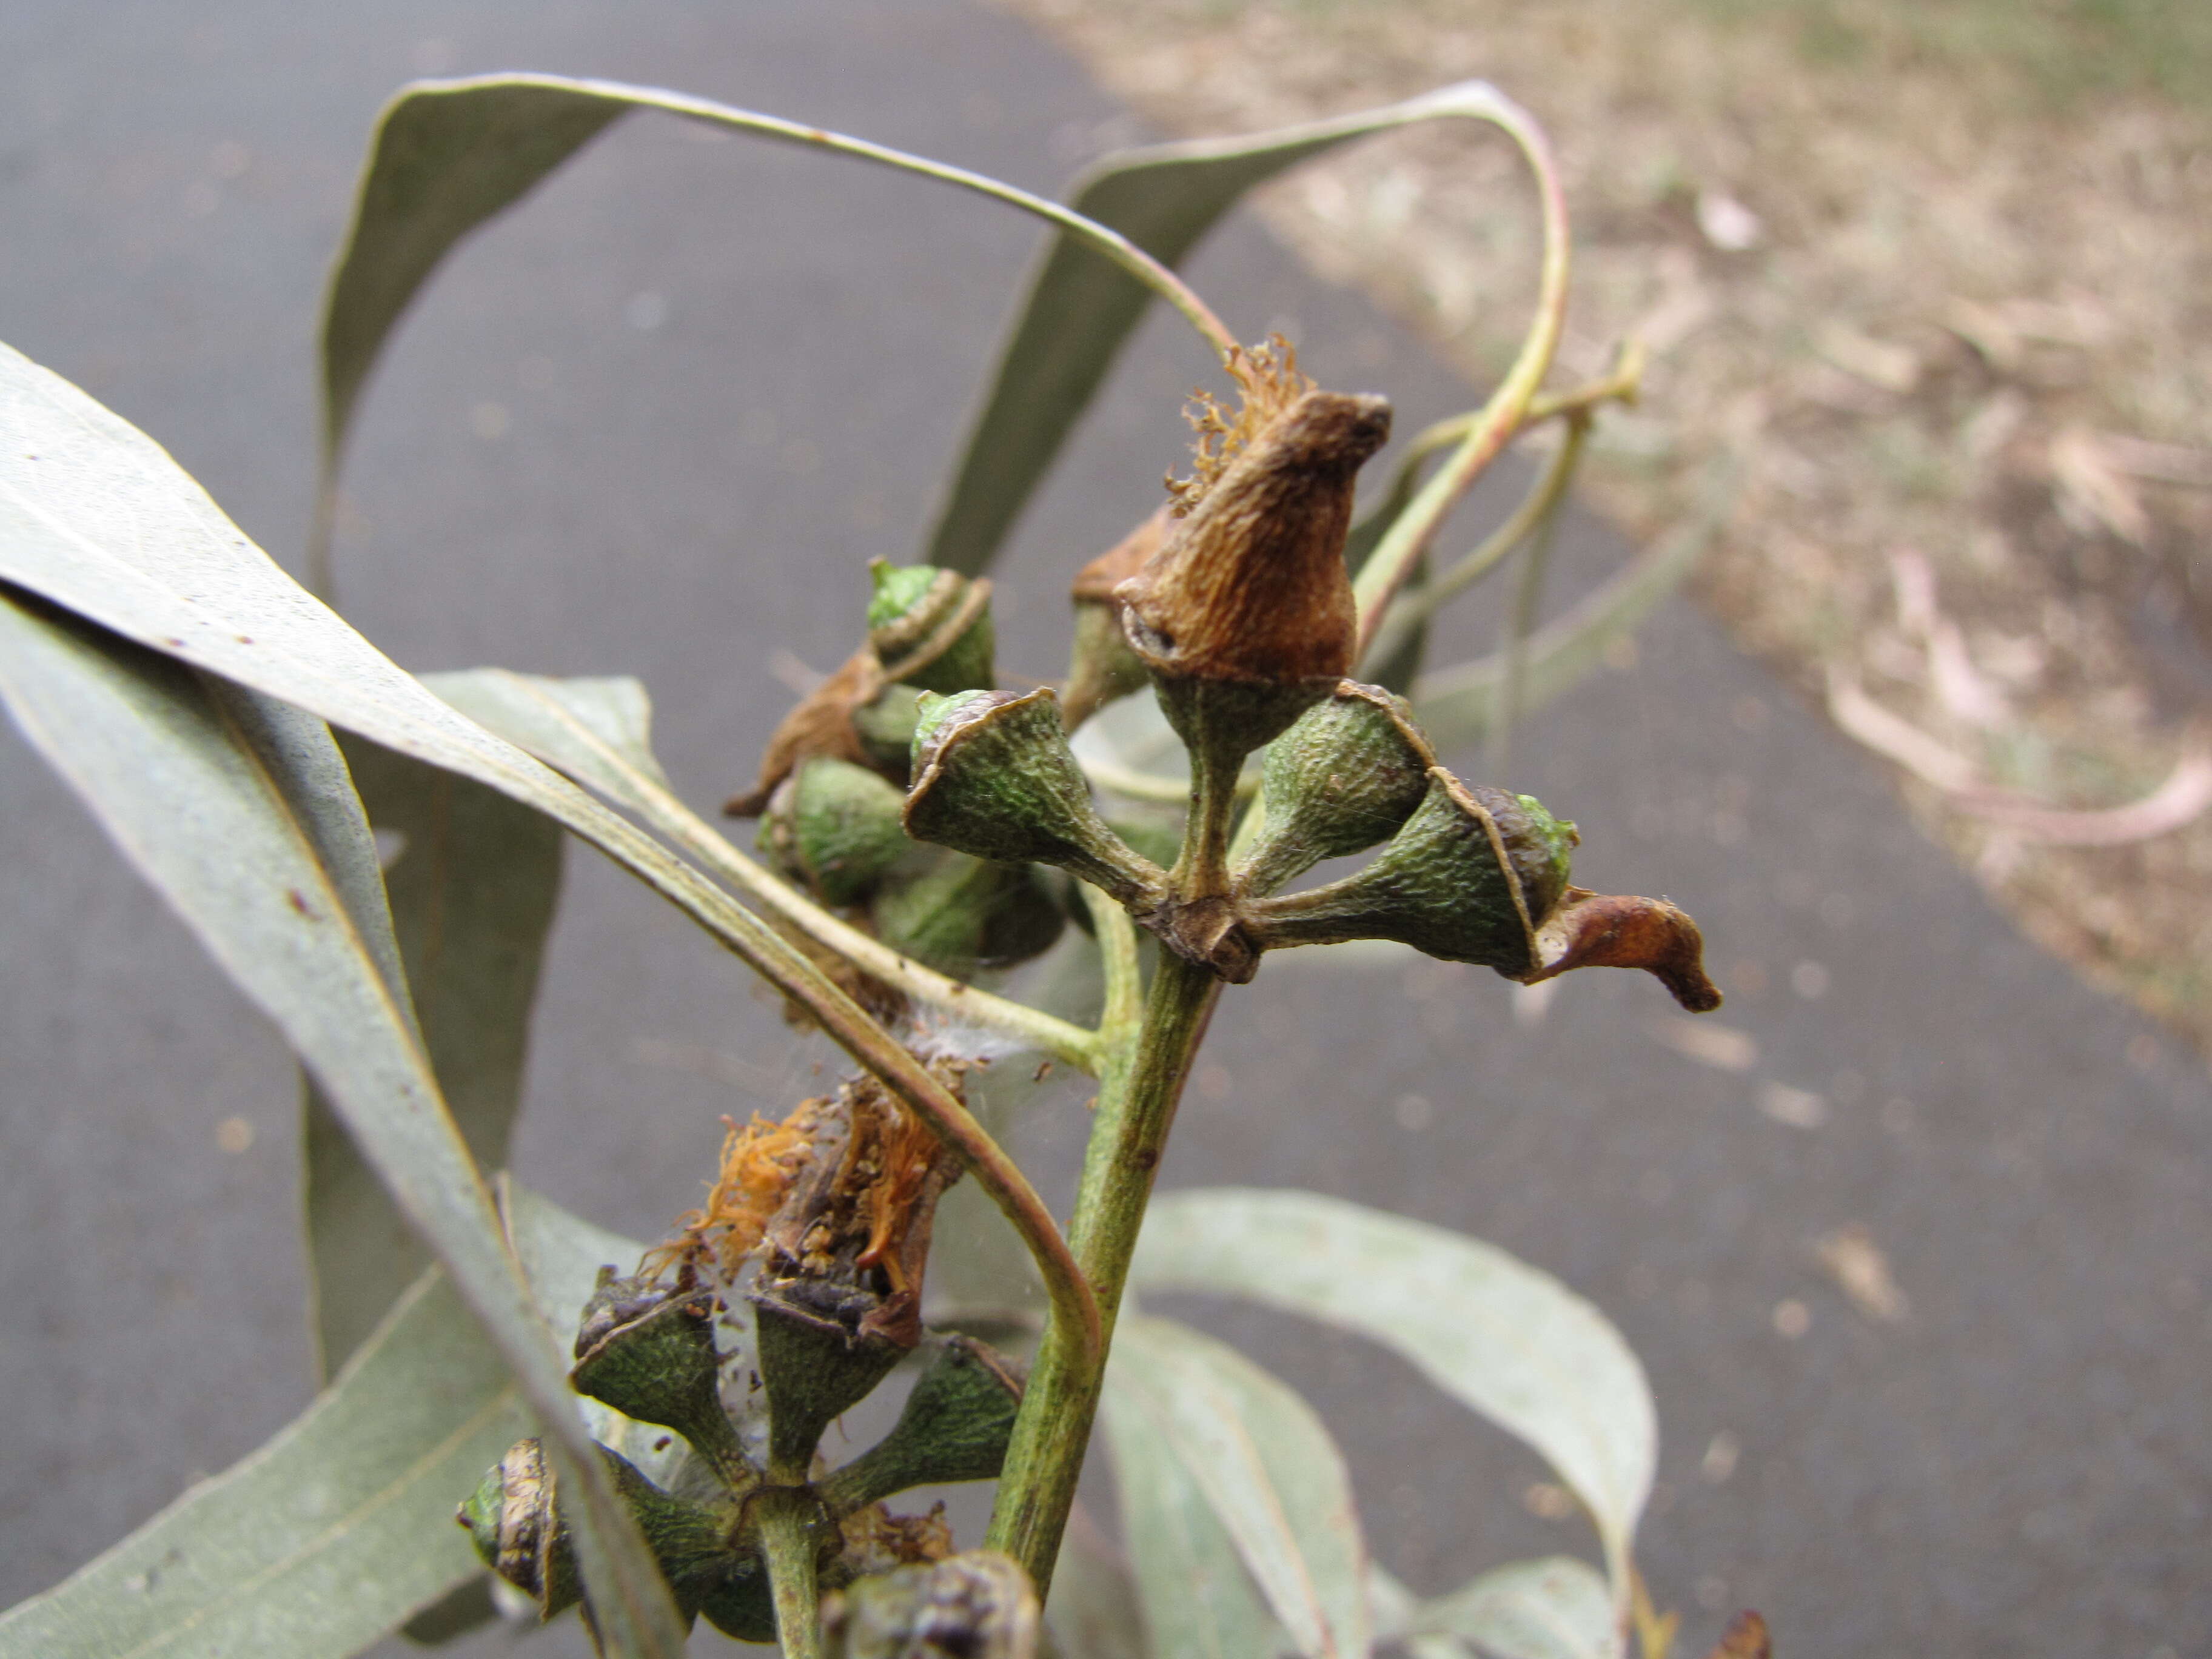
<point x="1938" y="273"/>
<point x="656" y="422"/>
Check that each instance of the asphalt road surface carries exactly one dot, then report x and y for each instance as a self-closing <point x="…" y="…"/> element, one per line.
<point x="656" y="422"/>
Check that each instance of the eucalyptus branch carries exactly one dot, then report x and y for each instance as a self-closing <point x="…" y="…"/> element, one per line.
<point x="1065" y="1041"/>
<point x="1402" y="547"/>
<point x="787" y="1518"/>
<point x="1136" y="1109"/>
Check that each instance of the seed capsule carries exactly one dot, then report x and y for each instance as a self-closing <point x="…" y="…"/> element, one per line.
<point x="647" y="1349"/>
<point x="931" y="628"/>
<point x="836" y="828"/>
<point x="1347" y="777"/>
<point x="955" y="1427"/>
<point x="1469" y="877"/>
<point x="993" y="777"/>
<point x="965" y="912"/>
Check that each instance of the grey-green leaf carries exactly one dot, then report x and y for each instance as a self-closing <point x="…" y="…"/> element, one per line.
<point x="450" y="155"/>
<point x="1267" y="1469"/>
<point x="1557" y="1608"/>
<point x="1095" y="1611"/>
<point x="222" y="798"/>
<point x="325" y="1538"/>
<point x="1198" y="1600"/>
<point x="1080" y="310"/>
<point x="472" y="894"/>
<point x="598" y="730"/>
<point x="1498" y="1335"/>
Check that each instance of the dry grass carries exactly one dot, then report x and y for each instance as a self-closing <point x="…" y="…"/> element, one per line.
<point x="1950" y="305"/>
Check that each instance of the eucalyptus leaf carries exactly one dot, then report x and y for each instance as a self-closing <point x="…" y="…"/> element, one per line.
<point x="222" y="798"/>
<point x="1270" y="1472"/>
<point x="450" y="155"/>
<point x="1079" y="309"/>
<point x="1462" y="704"/>
<point x="323" y="1540"/>
<point x="1095" y="1611"/>
<point x="596" y="730"/>
<point x="1199" y="1602"/>
<point x="1496" y="1334"/>
<point x="1558" y="1608"/>
<point x="472" y="894"/>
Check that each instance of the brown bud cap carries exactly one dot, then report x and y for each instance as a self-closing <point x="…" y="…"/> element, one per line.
<point x="820" y="724"/>
<point x="1613" y="930"/>
<point x="1102" y="665"/>
<point x="1251" y="585"/>
<point x="1096" y="582"/>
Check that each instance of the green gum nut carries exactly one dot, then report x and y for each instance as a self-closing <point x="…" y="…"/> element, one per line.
<point x="814" y="1367"/>
<point x="931" y="628"/>
<point x="836" y="828"/>
<point x="647" y="1350"/>
<point x="955" y="1427"/>
<point x="884" y="726"/>
<point x="993" y="777"/>
<point x="965" y="912"/>
<point x="1470" y="877"/>
<point x="1345" y="777"/>
<point x="980" y="1605"/>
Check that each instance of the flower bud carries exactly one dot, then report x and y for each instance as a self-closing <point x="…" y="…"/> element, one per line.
<point x="1469" y="878"/>
<point x="885" y="727"/>
<point x="976" y="1605"/>
<point x="955" y="1427"/>
<point x="931" y="628"/>
<point x="1103" y="664"/>
<point x="836" y="828"/>
<point x="1344" y="778"/>
<point x="647" y="1349"/>
<point x="993" y="777"/>
<point x="963" y="913"/>
<point x="1245" y="616"/>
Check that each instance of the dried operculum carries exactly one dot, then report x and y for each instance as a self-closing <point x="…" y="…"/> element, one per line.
<point x="1615" y="930"/>
<point x="820" y="724"/>
<point x="1268" y="383"/>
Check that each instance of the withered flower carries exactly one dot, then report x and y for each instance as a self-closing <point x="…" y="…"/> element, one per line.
<point x="1245" y="616"/>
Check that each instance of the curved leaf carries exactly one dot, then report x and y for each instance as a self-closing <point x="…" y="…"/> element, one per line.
<point x="472" y="893"/>
<point x="1557" y="1608"/>
<point x="1266" y="1467"/>
<point x="1490" y="1331"/>
<point x="1079" y="310"/>
<point x="222" y="798"/>
<point x="1198" y="1600"/>
<point x="325" y="1538"/>
<point x="450" y="155"/>
<point x="598" y="730"/>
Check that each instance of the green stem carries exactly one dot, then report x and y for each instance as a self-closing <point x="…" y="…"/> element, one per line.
<point x="789" y="1519"/>
<point x="1408" y="538"/>
<point x="1137" y="1100"/>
